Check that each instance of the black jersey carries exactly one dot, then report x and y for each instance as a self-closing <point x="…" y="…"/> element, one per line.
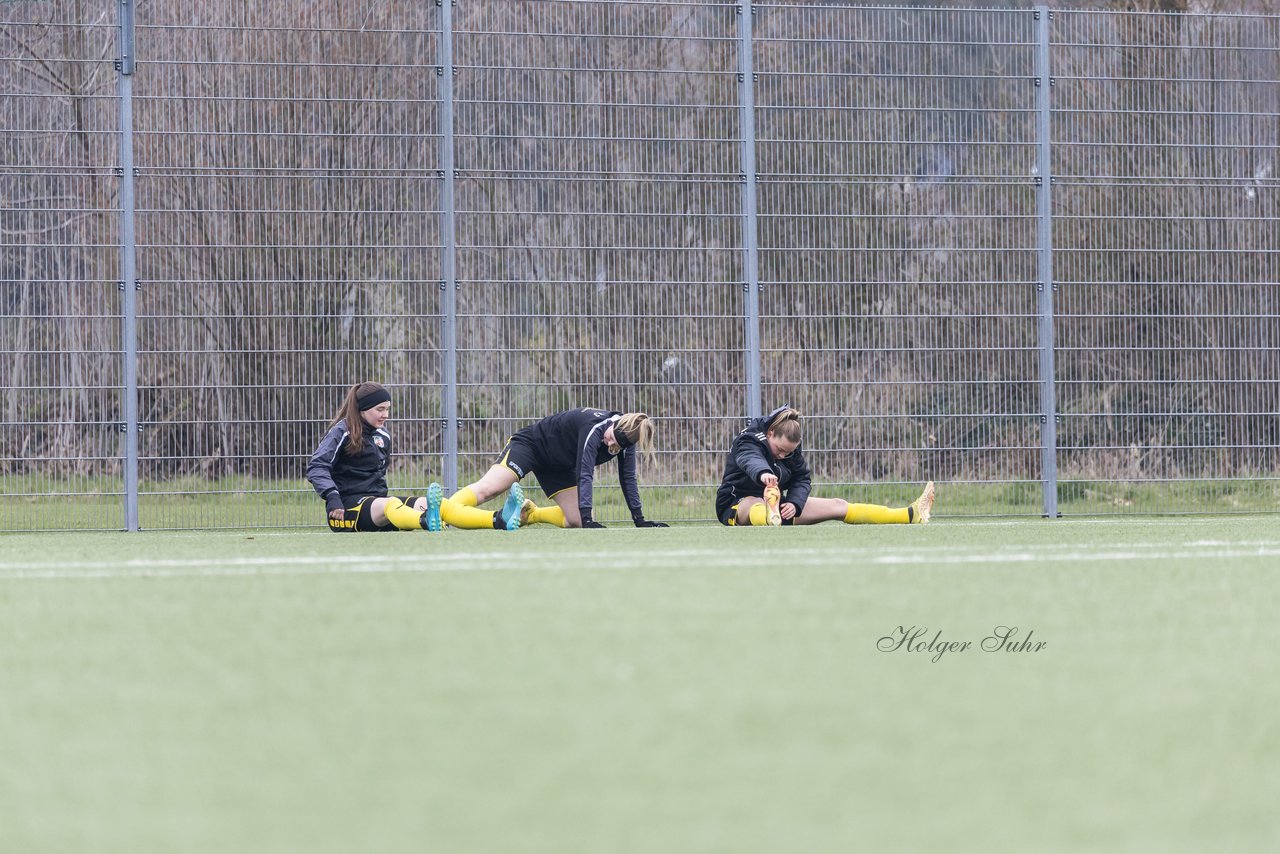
<point x="749" y="458"/>
<point x="571" y="444"/>
<point x="336" y="472"/>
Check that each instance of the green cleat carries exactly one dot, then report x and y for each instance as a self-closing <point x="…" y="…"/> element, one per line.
<point x="431" y="516"/>
<point x="511" y="510"/>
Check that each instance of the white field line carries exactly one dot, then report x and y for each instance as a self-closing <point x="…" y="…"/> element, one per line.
<point x="614" y="556"/>
<point x="609" y="559"/>
<point x="766" y="551"/>
<point x="1076" y="557"/>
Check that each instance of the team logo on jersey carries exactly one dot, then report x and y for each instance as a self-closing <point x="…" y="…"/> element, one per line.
<point x="377" y="440"/>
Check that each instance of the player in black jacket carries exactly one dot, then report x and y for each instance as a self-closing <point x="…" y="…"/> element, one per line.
<point x="349" y="471"/>
<point x="562" y="451"/>
<point x="766" y="482"/>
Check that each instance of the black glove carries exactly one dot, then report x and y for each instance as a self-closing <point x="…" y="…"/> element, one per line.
<point x="591" y="523"/>
<point x="637" y="517"/>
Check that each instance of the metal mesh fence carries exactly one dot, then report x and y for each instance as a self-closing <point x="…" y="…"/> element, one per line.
<point x="599" y="228"/>
<point x="59" y="245"/>
<point x="288" y="241"/>
<point x="1029" y="255"/>
<point x="1166" y="133"/>
<point x="898" y="246"/>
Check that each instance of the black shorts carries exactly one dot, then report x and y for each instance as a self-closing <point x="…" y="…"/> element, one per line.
<point x="360" y="515"/>
<point x="727" y="507"/>
<point x="523" y="457"/>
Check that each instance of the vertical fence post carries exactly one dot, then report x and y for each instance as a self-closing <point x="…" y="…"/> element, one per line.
<point x="128" y="284"/>
<point x="449" y="257"/>
<point x="750" y="241"/>
<point x="1045" y="285"/>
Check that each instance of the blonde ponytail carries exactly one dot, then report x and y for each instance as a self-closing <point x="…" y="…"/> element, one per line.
<point x="639" y="430"/>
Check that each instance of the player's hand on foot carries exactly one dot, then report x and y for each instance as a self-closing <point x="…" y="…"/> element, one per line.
<point x="772" y="495"/>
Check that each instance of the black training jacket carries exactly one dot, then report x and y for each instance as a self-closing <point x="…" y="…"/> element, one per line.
<point x="573" y="442"/>
<point x="749" y="457"/>
<point x="336" y="473"/>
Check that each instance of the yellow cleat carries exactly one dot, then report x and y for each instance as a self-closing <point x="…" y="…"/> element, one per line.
<point x="771" y="498"/>
<point x="922" y="507"/>
<point x="526" y="511"/>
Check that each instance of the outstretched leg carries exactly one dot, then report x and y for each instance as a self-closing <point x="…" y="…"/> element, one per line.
<point x="552" y="514"/>
<point x="461" y="510"/>
<point x="393" y="510"/>
<point x="822" y="509"/>
<point x="497" y="480"/>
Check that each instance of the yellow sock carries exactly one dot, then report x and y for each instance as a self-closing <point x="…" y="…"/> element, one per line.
<point x="552" y="515"/>
<point x="468" y="517"/>
<point x="759" y="514"/>
<point x="402" y="515"/>
<point x="465" y="497"/>
<point x="874" y="514"/>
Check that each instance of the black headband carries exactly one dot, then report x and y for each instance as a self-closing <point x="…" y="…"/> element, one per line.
<point x="621" y="438"/>
<point x="372" y="399"/>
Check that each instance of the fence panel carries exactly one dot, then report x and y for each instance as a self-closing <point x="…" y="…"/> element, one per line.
<point x="625" y="219"/>
<point x="1165" y="139"/>
<point x="61" y="433"/>
<point x="897" y="159"/>
<point x="599" y="230"/>
<point x="289" y="241"/>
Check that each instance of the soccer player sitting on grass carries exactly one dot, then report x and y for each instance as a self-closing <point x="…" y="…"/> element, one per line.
<point x="766" y="482"/>
<point x="562" y="451"/>
<point x="349" y="471"/>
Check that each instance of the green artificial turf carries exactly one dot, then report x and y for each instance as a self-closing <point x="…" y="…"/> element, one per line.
<point x="686" y="690"/>
<point x="29" y="503"/>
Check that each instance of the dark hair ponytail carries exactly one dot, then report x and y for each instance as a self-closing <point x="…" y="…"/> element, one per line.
<point x="349" y="412"/>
